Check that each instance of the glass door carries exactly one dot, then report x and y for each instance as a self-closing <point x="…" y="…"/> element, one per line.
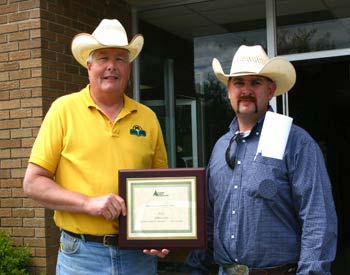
<point x="319" y="103"/>
<point x="184" y="138"/>
<point x="186" y="133"/>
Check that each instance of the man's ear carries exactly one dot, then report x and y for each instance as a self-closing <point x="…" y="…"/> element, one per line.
<point x="272" y="90"/>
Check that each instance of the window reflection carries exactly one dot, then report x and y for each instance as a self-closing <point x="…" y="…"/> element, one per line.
<point x="152" y="86"/>
<point x="312" y="26"/>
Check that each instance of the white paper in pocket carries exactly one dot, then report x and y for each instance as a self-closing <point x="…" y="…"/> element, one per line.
<point x="274" y="135"/>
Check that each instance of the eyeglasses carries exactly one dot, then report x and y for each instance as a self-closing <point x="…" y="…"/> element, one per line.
<point x="231" y="160"/>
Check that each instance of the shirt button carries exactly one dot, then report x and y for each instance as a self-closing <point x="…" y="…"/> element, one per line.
<point x="236" y="260"/>
<point x="235" y="187"/>
<point x="243" y="140"/>
<point x="232" y="236"/>
<point x="257" y="133"/>
<point x="238" y="162"/>
<point x="233" y="212"/>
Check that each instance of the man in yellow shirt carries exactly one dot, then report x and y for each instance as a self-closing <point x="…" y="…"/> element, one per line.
<point x="85" y="138"/>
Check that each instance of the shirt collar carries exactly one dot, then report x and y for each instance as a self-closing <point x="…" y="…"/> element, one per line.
<point x="129" y="104"/>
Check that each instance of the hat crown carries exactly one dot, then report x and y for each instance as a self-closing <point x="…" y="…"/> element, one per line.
<point x="249" y="59"/>
<point x="110" y="33"/>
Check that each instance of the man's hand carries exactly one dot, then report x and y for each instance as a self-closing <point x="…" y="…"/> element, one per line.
<point x="109" y="206"/>
<point x="159" y="253"/>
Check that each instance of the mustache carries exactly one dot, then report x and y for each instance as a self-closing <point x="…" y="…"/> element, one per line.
<point x="247" y="98"/>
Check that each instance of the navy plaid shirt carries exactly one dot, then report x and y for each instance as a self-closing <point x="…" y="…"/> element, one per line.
<point x="268" y="212"/>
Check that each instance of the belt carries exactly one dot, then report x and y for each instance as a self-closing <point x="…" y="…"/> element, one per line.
<point x="236" y="269"/>
<point x="106" y="240"/>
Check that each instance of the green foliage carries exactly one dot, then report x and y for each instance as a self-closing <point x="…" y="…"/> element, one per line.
<point x="13" y="260"/>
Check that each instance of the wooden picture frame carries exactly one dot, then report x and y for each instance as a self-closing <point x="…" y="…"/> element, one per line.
<point x="165" y="208"/>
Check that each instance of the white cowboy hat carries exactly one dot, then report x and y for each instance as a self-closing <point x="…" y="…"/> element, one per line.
<point x="252" y="60"/>
<point x="108" y="34"/>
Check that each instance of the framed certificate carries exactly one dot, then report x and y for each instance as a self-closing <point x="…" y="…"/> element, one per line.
<point x="165" y="208"/>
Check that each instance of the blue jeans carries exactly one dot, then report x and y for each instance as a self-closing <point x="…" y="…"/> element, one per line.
<point x="77" y="257"/>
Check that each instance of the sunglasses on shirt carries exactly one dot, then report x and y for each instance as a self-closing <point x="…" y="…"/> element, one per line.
<point x="231" y="160"/>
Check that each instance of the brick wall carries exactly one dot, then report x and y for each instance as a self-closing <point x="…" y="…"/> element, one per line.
<point x="36" y="66"/>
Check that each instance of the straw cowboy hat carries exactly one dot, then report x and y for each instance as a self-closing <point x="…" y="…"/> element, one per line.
<point x="108" y="34"/>
<point x="252" y="60"/>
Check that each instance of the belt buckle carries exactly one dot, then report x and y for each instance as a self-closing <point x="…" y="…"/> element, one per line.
<point x="237" y="269"/>
<point x="106" y="240"/>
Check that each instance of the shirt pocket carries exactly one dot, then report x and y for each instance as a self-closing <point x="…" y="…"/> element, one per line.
<point x="267" y="178"/>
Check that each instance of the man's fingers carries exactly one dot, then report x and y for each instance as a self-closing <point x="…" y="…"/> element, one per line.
<point x="114" y="209"/>
<point x="115" y="206"/>
<point x="159" y="253"/>
<point x="121" y="205"/>
<point x="109" y="206"/>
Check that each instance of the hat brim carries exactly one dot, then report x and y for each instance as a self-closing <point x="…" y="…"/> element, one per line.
<point x="83" y="44"/>
<point x="278" y="69"/>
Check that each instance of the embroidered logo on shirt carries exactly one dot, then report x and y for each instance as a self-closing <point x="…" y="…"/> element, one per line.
<point x="137" y="131"/>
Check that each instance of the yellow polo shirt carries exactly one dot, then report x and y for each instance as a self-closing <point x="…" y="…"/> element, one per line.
<point x="85" y="150"/>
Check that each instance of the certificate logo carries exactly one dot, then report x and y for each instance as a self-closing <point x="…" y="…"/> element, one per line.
<point x="136" y="130"/>
<point x="159" y="194"/>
